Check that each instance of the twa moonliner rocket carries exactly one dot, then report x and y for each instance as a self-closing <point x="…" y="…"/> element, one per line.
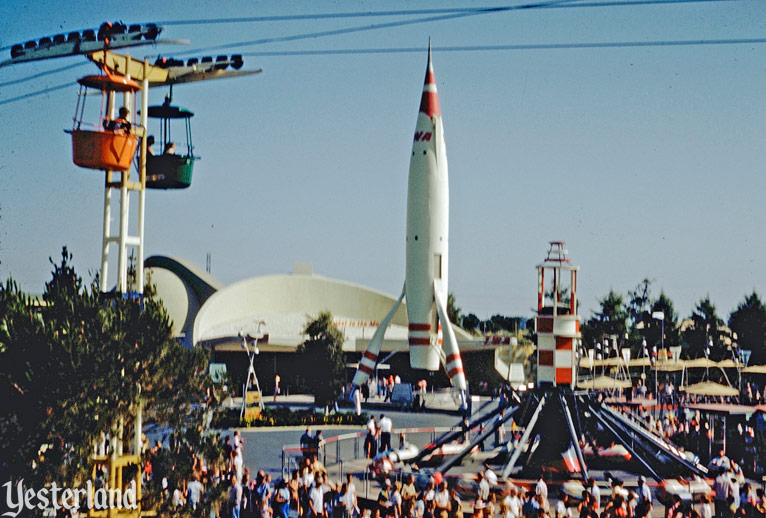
<point x="431" y="339"/>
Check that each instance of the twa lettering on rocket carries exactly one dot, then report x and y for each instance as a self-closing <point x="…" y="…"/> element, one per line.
<point x="432" y="342"/>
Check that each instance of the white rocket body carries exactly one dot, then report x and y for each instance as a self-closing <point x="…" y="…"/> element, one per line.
<point x="432" y="341"/>
<point x="427" y="230"/>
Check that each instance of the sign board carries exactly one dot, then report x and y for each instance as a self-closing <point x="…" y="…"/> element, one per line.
<point x="253" y="397"/>
<point x="217" y="372"/>
<point x="125" y="65"/>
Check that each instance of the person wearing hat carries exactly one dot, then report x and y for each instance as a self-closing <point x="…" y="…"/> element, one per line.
<point x="644" y="504"/>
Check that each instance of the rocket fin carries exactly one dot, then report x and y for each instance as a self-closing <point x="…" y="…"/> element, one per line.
<point x="453" y="362"/>
<point x="370" y="357"/>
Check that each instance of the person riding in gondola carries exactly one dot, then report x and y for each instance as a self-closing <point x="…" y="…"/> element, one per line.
<point x="149" y="144"/>
<point x="121" y="124"/>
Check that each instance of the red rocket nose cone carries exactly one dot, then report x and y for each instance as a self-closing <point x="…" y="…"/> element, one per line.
<point x="429" y="103"/>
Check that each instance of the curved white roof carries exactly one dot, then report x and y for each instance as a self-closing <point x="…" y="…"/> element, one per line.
<point x="204" y="312"/>
<point x="285" y="303"/>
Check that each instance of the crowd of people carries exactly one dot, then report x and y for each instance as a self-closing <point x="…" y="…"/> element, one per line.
<point x="440" y="499"/>
<point x="308" y="493"/>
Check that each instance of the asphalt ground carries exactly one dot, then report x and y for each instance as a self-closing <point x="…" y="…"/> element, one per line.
<point x="263" y="446"/>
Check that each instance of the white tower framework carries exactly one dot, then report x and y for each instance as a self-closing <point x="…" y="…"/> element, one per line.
<point x="121" y="183"/>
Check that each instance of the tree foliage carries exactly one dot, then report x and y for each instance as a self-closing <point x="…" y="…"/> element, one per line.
<point x="471" y="322"/>
<point x="609" y="321"/>
<point x="454" y="313"/>
<point x="705" y="327"/>
<point x="749" y="322"/>
<point x="321" y="357"/>
<point x="74" y="363"/>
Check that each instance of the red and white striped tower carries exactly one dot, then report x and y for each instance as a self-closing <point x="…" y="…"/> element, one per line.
<point x="557" y="322"/>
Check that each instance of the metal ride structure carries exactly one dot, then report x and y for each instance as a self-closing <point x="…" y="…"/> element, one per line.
<point x="166" y="172"/>
<point x="108" y="35"/>
<point x="567" y="432"/>
<point x="249" y="397"/>
<point x="109" y="145"/>
<point x="108" y="142"/>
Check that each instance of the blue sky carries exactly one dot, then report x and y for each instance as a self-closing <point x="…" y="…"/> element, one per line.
<point x="647" y="161"/>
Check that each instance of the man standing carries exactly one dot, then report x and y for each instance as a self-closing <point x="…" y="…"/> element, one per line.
<point x="370" y="444"/>
<point x="194" y="492"/>
<point x="483" y="493"/>
<point x="235" y="496"/>
<point x="644" y="503"/>
<point x="385" y="432"/>
<point x="316" y="500"/>
<point x="442" y="501"/>
<point x="307" y="441"/>
<point x="722" y="486"/>
<point x="409" y="493"/>
<point x="541" y="489"/>
<point x="595" y="493"/>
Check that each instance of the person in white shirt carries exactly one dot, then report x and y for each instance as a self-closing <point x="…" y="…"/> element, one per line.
<point x="194" y="491"/>
<point x="513" y="502"/>
<point x="316" y="501"/>
<point x="483" y="493"/>
<point x="396" y="500"/>
<point x="595" y="493"/>
<point x="385" y="432"/>
<point x="441" y="499"/>
<point x="238" y="464"/>
<point x="370" y="442"/>
<point x="429" y="493"/>
<point x="541" y="488"/>
<point x="237" y="442"/>
<point x="562" y="508"/>
<point x="491" y="476"/>
<point x="178" y="499"/>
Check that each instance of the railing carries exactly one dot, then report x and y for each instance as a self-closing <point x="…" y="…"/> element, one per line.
<point x="347" y="448"/>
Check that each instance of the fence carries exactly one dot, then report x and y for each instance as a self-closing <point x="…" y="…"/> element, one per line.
<point x="348" y="447"/>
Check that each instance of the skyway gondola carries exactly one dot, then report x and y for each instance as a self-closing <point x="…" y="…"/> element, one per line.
<point x="171" y="170"/>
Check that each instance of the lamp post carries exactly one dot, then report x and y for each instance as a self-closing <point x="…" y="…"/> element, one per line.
<point x="659" y="315"/>
<point x="735" y="352"/>
<point x="645" y="354"/>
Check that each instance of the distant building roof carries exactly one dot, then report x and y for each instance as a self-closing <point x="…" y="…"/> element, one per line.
<point x="207" y="313"/>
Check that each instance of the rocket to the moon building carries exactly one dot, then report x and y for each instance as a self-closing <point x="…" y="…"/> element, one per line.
<point x="432" y="341"/>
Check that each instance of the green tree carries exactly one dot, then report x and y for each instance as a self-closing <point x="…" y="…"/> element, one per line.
<point x="639" y="315"/>
<point x="749" y="322"/>
<point x="75" y="363"/>
<point x="706" y="326"/>
<point x="471" y="322"/>
<point x="321" y="358"/>
<point x="609" y="321"/>
<point x="453" y="311"/>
